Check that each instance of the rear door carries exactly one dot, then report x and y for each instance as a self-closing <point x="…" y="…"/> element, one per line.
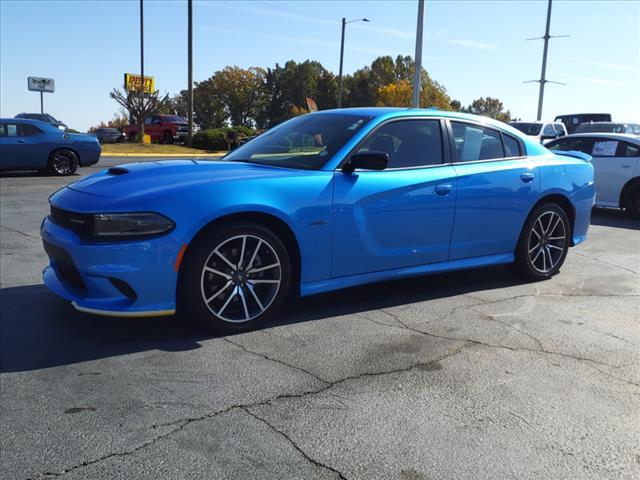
<point x="615" y="163"/>
<point x="401" y="216"/>
<point x="497" y="186"/>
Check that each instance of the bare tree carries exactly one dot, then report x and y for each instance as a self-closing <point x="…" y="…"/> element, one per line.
<point x="141" y="107"/>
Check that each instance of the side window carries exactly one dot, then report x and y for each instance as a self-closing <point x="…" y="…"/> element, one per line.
<point x="409" y="143"/>
<point x="628" y="150"/>
<point x="147" y="121"/>
<point x="578" y="144"/>
<point x="549" y="131"/>
<point x="474" y="142"/>
<point x="9" y="130"/>
<point x="155" y="120"/>
<point x="560" y="129"/>
<point x="604" y="148"/>
<point x="28" y="130"/>
<point x="511" y="146"/>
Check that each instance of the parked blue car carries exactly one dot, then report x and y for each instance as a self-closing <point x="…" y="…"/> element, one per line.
<point x="324" y="201"/>
<point x="34" y="145"/>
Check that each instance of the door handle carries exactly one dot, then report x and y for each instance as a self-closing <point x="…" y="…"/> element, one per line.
<point x="527" y="177"/>
<point x="22" y="141"/>
<point x="444" y="189"/>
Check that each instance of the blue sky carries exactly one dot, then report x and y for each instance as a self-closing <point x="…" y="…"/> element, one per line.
<point x="474" y="48"/>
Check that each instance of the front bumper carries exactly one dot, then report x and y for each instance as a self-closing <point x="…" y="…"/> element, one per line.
<point x="130" y="279"/>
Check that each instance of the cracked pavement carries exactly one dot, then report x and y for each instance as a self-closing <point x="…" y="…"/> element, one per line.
<point x="467" y="375"/>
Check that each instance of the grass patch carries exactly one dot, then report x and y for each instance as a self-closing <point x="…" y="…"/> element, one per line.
<point x="152" y="149"/>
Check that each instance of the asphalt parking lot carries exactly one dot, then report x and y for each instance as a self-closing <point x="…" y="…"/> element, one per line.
<point x="470" y="375"/>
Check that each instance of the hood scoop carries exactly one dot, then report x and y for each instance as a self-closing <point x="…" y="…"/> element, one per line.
<point x="117" y="171"/>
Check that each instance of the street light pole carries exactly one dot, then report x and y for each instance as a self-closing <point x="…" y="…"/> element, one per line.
<point x="344" y="24"/>
<point x="190" y="75"/>
<point x="417" y="73"/>
<point x="544" y="63"/>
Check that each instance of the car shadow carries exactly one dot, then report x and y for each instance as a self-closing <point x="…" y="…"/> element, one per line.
<point x="39" y="330"/>
<point x="608" y="217"/>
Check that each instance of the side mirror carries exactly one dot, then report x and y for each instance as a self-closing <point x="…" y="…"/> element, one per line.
<point x="367" y="161"/>
<point x="548" y="137"/>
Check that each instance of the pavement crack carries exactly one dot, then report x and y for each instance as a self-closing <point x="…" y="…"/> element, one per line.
<point x="271" y="359"/>
<point x="31" y="238"/>
<point x="604" y="262"/>
<point x="295" y="445"/>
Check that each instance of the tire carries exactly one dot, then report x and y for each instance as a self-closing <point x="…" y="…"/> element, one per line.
<point x="544" y="242"/>
<point x="62" y="162"/>
<point x="633" y="203"/>
<point x="238" y="299"/>
<point x="167" y="138"/>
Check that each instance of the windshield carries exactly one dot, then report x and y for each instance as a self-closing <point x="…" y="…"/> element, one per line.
<point x="527" y="128"/>
<point x="306" y="142"/>
<point x="600" y="127"/>
<point x="173" y="119"/>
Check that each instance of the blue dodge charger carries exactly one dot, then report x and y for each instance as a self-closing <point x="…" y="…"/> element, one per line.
<point x="321" y="202"/>
<point x="34" y="145"/>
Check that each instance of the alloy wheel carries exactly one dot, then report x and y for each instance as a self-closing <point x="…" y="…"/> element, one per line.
<point x="547" y="241"/>
<point x="241" y="278"/>
<point x="62" y="163"/>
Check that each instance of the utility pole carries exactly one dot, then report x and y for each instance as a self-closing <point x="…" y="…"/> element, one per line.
<point x="543" y="74"/>
<point x="41" y="104"/>
<point x="417" y="74"/>
<point x="141" y="120"/>
<point x="190" y="75"/>
<point x="344" y="24"/>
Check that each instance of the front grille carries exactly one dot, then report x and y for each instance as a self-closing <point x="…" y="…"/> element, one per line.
<point x="81" y="223"/>
<point x="65" y="268"/>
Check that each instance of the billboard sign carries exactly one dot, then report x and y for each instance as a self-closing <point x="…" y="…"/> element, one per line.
<point x="132" y="83"/>
<point x="39" y="84"/>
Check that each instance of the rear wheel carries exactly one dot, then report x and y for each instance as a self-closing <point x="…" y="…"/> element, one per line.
<point x="633" y="202"/>
<point x="62" y="162"/>
<point x="235" y="278"/>
<point x="544" y="242"/>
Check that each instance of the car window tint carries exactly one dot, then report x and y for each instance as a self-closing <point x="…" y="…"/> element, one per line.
<point x="628" y="150"/>
<point x="511" y="146"/>
<point x="559" y="129"/>
<point x="9" y="130"/>
<point x="604" y="148"/>
<point x="409" y="143"/>
<point x="578" y="144"/>
<point x="548" y="130"/>
<point x="28" y="130"/>
<point x="476" y="143"/>
<point x="147" y="121"/>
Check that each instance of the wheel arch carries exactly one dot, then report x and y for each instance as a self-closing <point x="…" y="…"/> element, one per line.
<point x="626" y="190"/>
<point x="278" y="226"/>
<point x="564" y="203"/>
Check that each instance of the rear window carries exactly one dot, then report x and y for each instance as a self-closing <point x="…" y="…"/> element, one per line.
<point x="527" y="128"/>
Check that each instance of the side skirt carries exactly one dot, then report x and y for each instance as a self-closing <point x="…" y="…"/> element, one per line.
<point x="312" y="288"/>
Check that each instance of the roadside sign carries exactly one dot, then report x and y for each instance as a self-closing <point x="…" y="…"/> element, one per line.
<point x="40" y="84"/>
<point x="132" y="83"/>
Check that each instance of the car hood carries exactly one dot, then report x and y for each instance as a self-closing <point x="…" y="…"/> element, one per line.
<point x="171" y="175"/>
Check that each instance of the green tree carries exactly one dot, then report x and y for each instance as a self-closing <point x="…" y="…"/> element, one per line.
<point x="241" y="91"/>
<point x="489" y="107"/>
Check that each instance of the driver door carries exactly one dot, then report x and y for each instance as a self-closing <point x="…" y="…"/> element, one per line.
<point x="401" y="216"/>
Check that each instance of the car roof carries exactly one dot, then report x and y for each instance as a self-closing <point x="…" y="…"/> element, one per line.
<point x="614" y="136"/>
<point x="37" y="123"/>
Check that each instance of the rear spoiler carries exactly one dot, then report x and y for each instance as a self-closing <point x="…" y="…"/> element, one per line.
<point x="574" y="154"/>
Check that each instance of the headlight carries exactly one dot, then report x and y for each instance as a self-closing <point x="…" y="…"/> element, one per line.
<point x="130" y="224"/>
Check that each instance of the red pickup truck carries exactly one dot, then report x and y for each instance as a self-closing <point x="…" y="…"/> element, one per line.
<point x="162" y="128"/>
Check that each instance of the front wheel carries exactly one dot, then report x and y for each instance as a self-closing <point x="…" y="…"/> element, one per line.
<point x="235" y="278"/>
<point x="62" y="162"/>
<point x="544" y="242"/>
